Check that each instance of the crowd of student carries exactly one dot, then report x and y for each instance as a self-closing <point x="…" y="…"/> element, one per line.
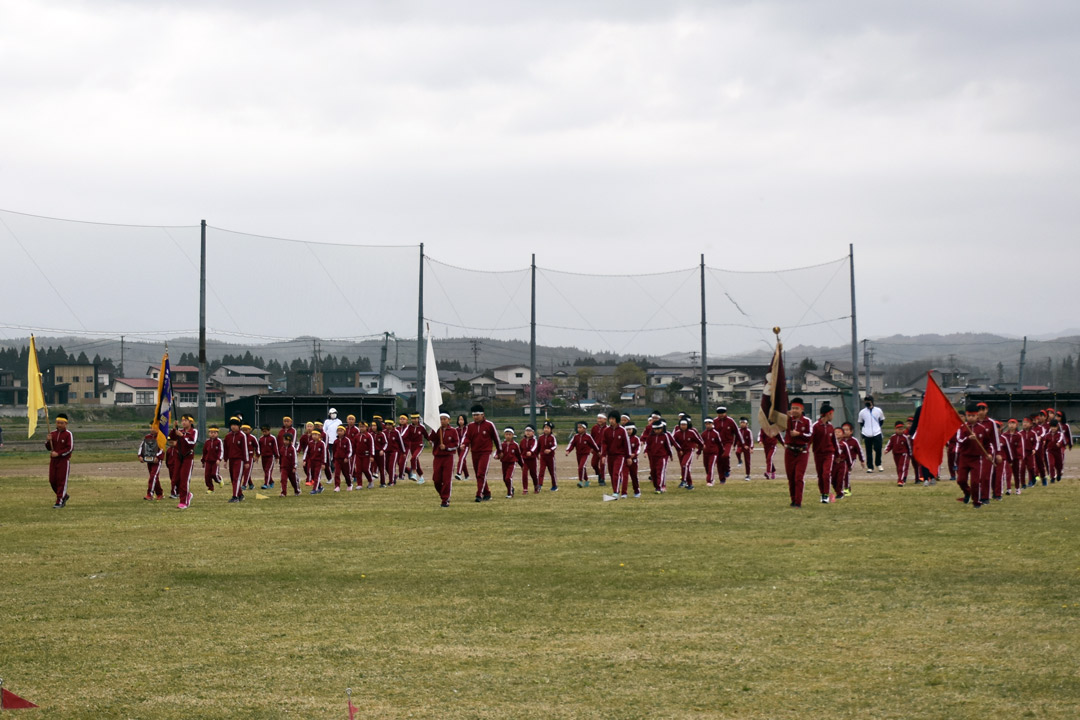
<point x="988" y="459"/>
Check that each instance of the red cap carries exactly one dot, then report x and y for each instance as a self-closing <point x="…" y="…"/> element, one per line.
<point x="899" y="424"/>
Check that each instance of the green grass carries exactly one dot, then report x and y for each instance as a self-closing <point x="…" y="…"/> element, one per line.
<point x="895" y="603"/>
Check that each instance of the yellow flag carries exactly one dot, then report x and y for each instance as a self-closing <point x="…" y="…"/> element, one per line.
<point x="35" y="393"/>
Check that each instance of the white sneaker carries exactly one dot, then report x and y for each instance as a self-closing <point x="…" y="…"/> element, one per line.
<point x="637" y="494"/>
<point x="870" y="470"/>
<point x="747" y="478"/>
<point x="337" y="489"/>
<point x="880" y="469"/>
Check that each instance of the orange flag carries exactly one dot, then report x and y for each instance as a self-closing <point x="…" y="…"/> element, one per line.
<point x="938" y="421"/>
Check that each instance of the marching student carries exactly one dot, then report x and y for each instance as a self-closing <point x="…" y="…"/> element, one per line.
<point x="342" y="460"/>
<point x="688" y="442"/>
<point x="993" y="442"/>
<point x="598" y="431"/>
<point x="393" y="452"/>
<point x="444" y="443"/>
<point x="796" y="444"/>
<point x="854" y="450"/>
<point x="269" y="452"/>
<point x="483" y="439"/>
<point x="727" y="428"/>
<point x="841" y="468"/>
<point x="900" y="447"/>
<point x="711" y="447"/>
<point x="403" y="455"/>
<point x="237" y="456"/>
<point x="413" y="436"/>
<point x="1029" y="442"/>
<point x="617" y="449"/>
<point x="364" y="456"/>
<point x="1040" y="427"/>
<point x="583" y="445"/>
<point x="461" y="466"/>
<point x="971" y="454"/>
<point x="632" y="465"/>
<point x="768" y="446"/>
<point x="660" y="449"/>
<point x="529" y="449"/>
<point x="253" y="454"/>
<point x="1012" y="442"/>
<point x="547" y="447"/>
<point x="152" y="455"/>
<point x="1055" y="453"/>
<point x="379" y="438"/>
<point x="823" y="444"/>
<point x="317" y="454"/>
<point x="186" y="437"/>
<point x="288" y="466"/>
<point x="950" y="454"/>
<point x="213" y="452"/>
<point x="744" y="445"/>
<point x="60" y="445"/>
<point x="172" y="464"/>
<point x="286" y="429"/>
<point x="510" y="456"/>
<point x="301" y="447"/>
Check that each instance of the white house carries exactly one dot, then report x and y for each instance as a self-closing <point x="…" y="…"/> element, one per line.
<point x="513" y="374"/>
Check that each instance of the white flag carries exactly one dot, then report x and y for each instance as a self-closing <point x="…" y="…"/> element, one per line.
<point x="432" y="389"/>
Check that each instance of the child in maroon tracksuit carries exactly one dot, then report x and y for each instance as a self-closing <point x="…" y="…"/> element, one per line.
<point x="213" y="453"/>
<point x="711" y="447"/>
<point x="269" y="451"/>
<point x="342" y="460"/>
<point x="288" y="466"/>
<point x="768" y="446"/>
<point x="152" y="455"/>
<point x="744" y="445"/>
<point x="548" y="445"/>
<point x="315" y="457"/>
<point x="529" y="450"/>
<point x="632" y="464"/>
<point x="900" y="447"/>
<point x="510" y="455"/>
<point x="583" y="445"/>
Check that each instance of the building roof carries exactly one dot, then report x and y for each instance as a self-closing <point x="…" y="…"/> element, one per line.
<point x="244" y="369"/>
<point x="184" y="368"/>
<point x="140" y="383"/>
<point x="237" y="381"/>
<point x="511" y="367"/>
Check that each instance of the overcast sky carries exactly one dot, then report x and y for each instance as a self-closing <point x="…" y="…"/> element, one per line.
<point x="622" y="136"/>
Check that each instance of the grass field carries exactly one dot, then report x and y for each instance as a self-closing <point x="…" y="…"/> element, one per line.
<point x="720" y="603"/>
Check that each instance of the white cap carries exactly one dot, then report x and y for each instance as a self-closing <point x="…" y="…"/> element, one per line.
<point x="333" y="411"/>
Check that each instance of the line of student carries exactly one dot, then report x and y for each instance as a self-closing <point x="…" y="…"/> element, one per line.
<point x="987" y="458"/>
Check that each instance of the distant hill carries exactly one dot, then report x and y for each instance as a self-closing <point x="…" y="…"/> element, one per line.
<point x="971" y="350"/>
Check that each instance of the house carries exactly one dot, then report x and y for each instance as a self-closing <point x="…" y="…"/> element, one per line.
<point x="662" y="377"/>
<point x="127" y="392"/>
<point x="185" y="387"/>
<point x="72" y="384"/>
<point x="506" y="391"/>
<point x="727" y="379"/>
<point x="12" y="392"/>
<point x="240" y="381"/>
<point x="633" y="394"/>
<point x="749" y="390"/>
<point x="399" y="382"/>
<point x="513" y="374"/>
<point x="954" y="377"/>
<point x="591" y="381"/>
<point x="819" y="381"/>
<point x="838" y="371"/>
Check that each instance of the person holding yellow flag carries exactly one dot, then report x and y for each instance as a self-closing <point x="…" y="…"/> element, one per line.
<point x="60" y="444"/>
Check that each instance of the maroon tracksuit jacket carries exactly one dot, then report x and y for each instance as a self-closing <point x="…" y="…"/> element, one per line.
<point x="796" y="456"/>
<point x="61" y="442"/>
<point x="444" y="444"/>
<point x="482" y="439"/>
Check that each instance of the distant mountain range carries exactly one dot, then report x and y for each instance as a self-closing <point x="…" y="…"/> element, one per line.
<point x="972" y="350"/>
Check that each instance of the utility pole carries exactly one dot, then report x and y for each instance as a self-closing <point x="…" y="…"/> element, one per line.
<point x="475" y="355"/>
<point x="866" y="364"/>
<point x="202" y="332"/>
<point x="382" y="361"/>
<point x="122" y="357"/>
<point x="1023" y="358"/>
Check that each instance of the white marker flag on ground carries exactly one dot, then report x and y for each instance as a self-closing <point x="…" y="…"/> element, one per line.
<point x="432" y="389"/>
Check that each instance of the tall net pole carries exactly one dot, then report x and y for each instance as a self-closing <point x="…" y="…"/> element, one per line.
<point x="420" y="354"/>
<point x="854" y="343"/>
<point x="202" y="331"/>
<point x="704" y="357"/>
<point x="532" y="346"/>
